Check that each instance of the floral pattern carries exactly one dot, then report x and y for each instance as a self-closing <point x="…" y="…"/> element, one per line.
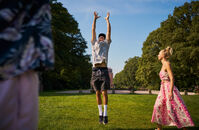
<point x="170" y="112"/>
<point x="25" y="37"/>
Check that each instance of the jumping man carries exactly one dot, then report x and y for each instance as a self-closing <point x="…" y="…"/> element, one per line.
<point x="100" y="80"/>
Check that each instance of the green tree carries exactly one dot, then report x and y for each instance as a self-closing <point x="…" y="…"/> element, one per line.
<point x="148" y="65"/>
<point x="126" y="78"/>
<point x="72" y="66"/>
<point x="181" y="32"/>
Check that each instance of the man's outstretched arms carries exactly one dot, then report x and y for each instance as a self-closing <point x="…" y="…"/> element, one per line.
<point x="94" y="26"/>
<point x="108" y="34"/>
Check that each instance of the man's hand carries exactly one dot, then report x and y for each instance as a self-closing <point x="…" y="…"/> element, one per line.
<point x="96" y="15"/>
<point x="107" y="17"/>
<point x="94" y="26"/>
<point x="108" y="34"/>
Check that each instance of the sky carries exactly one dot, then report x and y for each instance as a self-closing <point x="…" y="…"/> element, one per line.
<point x="131" y="22"/>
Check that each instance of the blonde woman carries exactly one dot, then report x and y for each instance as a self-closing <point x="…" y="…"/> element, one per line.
<point x="169" y="108"/>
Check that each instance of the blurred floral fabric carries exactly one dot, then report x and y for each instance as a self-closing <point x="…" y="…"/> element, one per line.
<point x="25" y="37"/>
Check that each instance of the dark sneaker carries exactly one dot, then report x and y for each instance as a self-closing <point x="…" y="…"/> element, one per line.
<point x="100" y="119"/>
<point x="105" y="120"/>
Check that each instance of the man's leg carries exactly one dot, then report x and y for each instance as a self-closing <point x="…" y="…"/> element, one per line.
<point x="105" y="97"/>
<point x="99" y="102"/>
<point x="105" y="100"/>
<point x="95" y="83"/>
<point x="98" y="97"/>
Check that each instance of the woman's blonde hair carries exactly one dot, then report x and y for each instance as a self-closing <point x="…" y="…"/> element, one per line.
<point x="168" y="52"/>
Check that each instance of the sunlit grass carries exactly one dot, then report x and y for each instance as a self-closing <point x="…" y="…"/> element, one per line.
<point x="125" y="111"/>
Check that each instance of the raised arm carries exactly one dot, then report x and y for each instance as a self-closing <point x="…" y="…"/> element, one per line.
<point x="108" y="34"/>
<point x="94" y="26"/>
<point x="169" y="70"/>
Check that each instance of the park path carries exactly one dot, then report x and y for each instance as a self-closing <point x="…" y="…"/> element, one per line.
<point x="119" y="92"/>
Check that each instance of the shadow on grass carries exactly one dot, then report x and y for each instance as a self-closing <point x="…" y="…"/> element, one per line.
<point x="83" y="94"/>
<point x="134" y="94"/>
<point x="79" y="94"/>
<point x="44" y="94"/>
<point x="190" y="128"/>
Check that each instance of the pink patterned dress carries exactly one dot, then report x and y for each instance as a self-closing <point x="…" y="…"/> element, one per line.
<point x="170" y="113"/>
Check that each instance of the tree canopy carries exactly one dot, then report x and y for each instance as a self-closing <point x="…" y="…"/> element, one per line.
<point x="181" y="32"/>
<point x="72" y="66"/>
<point x="127" y="77"/>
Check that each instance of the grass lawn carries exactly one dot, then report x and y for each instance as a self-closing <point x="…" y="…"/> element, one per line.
<point x="125" y="111"/>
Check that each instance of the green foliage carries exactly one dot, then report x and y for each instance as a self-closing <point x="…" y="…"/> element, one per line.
<point x="181" y="32"/>
<point x="72" y="66"/>
<point x="126" y="78"/>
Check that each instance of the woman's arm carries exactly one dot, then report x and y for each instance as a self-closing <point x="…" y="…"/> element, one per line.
<point x="169" y="70"/>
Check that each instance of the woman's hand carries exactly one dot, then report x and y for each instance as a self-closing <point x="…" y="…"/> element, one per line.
<point x="171" y="95"/>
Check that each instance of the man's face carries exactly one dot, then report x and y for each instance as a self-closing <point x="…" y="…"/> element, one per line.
<point x="101" y="38"/>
